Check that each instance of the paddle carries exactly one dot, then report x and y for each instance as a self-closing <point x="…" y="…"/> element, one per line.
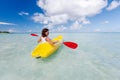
<point x="69" y="44"/>
<point x="33" y="34"/>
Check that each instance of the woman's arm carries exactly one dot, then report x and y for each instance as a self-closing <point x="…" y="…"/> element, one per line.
<point x="51" y="42"/>
<point x="39" y="40"/>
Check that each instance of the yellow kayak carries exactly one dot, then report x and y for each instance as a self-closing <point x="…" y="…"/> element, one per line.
<point x="45" y="49"/>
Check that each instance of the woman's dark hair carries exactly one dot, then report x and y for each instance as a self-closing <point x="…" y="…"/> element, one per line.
<point x="44" y="31"/>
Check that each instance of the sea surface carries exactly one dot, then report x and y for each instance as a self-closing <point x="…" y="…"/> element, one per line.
<point x="96" y="58"/>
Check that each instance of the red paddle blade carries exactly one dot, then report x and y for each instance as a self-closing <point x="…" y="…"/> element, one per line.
<point x="34" y="34"/>
<point x="71" y="44"/>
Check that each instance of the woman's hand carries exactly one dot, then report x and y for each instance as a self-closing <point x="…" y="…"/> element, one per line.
<point x="55" y="42"/>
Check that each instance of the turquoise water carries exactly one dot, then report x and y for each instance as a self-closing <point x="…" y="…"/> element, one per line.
<point x="96" y="58"/>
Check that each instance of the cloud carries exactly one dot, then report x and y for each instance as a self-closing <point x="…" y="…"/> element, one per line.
<point x="61" y="28"/>
<point x="105" y="22"/>
<point x="97" y="30"/>
<point x="23" y="13"/>
<point x="6" y="23"/>
<point x="75" y="26"/>
<point x="59" y="12"/>
<point x="72" y="7"/>
<point x="11" y="30"/>
<point x="85" y="21"/>
<point x="29" y="30"/>
<point x="38" y="17"/>
<point x="56" y="19"/>
<point x="114" y="4"/>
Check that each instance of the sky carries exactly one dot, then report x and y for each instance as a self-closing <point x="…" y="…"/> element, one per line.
<point x="60" y="15"/>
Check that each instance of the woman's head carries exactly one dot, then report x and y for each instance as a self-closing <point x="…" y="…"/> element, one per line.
<point x="45" y="32"/>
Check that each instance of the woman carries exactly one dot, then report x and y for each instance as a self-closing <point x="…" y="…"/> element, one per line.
<point x="44" y="37"/>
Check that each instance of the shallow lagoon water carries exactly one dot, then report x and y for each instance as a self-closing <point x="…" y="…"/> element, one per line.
<point x="96" y="58"/>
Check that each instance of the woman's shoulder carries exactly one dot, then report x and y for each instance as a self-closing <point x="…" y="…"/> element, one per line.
<point x="47" y="38"/>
